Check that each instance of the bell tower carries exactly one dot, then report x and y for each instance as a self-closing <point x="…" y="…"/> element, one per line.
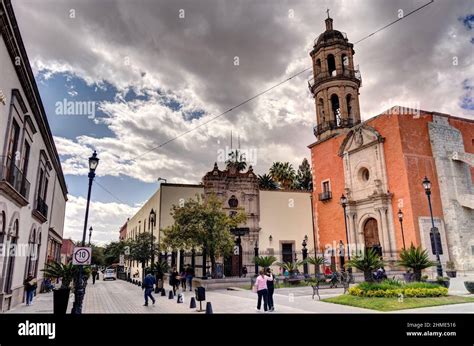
<point x="335" y="83"/>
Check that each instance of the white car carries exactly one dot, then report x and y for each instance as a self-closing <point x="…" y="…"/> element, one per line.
<point x="110" y="274"/>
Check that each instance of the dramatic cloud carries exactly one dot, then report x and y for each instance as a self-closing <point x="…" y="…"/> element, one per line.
<point x="190" y="60"/>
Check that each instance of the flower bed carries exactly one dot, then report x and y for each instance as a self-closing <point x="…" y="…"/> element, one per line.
<point x="391" y="289"/>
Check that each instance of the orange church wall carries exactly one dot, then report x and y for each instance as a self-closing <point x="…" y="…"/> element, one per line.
<point x="329" y="215"/>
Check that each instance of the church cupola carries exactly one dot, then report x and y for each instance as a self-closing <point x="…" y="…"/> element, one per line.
<point x="335" y="83"/>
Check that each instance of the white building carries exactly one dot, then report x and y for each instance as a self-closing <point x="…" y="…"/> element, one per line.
<point x="277" y="220"/>
<point x="33" y="191"/>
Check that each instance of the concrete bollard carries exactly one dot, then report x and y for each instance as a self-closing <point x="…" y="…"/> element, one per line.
<point x="170" y="295"/>
<point x="179" y="300"/>
<point x="209" y="308"/>
<point x="192" y="305"/>
<point x="163" y="292"/>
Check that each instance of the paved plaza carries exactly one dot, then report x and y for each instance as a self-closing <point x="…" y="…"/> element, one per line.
<point x="123" y="297"/>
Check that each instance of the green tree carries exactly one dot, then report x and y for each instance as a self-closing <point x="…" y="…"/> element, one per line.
<point x="284" y="174"/>
<point x="266" y="182"/>
<point x="98" y="257"/>
<point x="113" y="250"/>
<point x="416" y="259"/>
<point x="291" y="267"/>
<point x="304" y="179"/>
<point x="203" y="224"/>
<point x="143" y="248"/>
<point x="317" y="261"/>
<point x="237" y="160"/>
<point x="367" y="263"/>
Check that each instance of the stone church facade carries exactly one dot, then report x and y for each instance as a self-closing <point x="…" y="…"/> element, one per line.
<point x="379" y="166"/>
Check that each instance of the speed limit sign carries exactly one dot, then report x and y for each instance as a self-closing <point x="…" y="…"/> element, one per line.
<point x="81" y="255"/>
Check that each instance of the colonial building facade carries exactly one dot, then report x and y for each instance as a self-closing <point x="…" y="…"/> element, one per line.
<point x="379" y="166"/>
<point x="277" y="221"/>
<point x="33" y="191"/>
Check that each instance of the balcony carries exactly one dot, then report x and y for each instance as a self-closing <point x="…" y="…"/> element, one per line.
<point x="13" y="182"/>
<point x="333" y="125"/>
<point x="337" y="74"/>
<point x="41" y="210"/>
<point x="325" y="196"/>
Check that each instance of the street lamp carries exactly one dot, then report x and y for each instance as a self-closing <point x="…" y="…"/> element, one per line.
<point x="152" y="224"/>
<point x="80" y="289"/>
<point x="427" y="186"/>
<point x="162" y="179"/>
<point x="255" y="249"/>
<point x="305" y="255"/>
<point x="400" y="218"/>
<point x="344" y="202"/>
<point x="90" y="235"/>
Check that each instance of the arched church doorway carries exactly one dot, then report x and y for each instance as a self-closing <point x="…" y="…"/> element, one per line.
<point x="371" y="235"/>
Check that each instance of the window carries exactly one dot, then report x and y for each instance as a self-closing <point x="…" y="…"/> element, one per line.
<point x="349" y="105"/>
<point x="364" y="174"/>
<point x="336" y="108"/>
<point x="326" y="194"/>
<point x="331" y="65"/>
<point x="326" y="186"/>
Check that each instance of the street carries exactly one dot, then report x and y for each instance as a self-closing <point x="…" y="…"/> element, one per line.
<point x="123" y="297"/>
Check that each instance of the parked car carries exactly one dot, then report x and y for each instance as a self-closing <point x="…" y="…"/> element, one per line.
<point x="110" y="274"/>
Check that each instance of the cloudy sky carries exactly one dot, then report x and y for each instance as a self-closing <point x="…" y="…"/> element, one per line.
<point x="152" y="70"/>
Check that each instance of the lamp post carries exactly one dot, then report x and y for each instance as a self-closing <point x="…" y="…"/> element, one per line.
<point x="427" y="186"/>
<point x="255" y="249"/>
<point x="152" y="225"/>
<point x="305" y="255"/>
<point x="344" y="202"/>
<point x="80" y="289"/>
<point x="162" y="179"/>
<point x="90" y="235"/>
<point x="400" y="218"/>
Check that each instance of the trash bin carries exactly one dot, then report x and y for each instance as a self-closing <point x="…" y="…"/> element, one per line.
<point x="200" y="294"/>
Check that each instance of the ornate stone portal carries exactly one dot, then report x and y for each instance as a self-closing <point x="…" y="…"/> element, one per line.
<point x="238" y="192"/>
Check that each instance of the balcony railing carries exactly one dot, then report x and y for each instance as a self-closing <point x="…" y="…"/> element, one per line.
<point x="10" y="173"/>
<point x="42" y="207"/>
<point x="334" y="124"/>
<point x="346" y="73"/>
<point x="325" y="196"/>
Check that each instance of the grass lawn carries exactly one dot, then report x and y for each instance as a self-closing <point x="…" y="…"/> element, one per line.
<point x="391" y="304"/>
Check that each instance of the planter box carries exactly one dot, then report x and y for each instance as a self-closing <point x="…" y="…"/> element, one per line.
<point x="469" y="286"/>
<point x="451" y="273"/>
<point x="60" y="300"/>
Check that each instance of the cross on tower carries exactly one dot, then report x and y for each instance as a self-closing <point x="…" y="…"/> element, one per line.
<point x="327" y="12"/>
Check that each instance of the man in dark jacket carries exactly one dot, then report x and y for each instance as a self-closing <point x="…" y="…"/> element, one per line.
<point x="148" y="284"/>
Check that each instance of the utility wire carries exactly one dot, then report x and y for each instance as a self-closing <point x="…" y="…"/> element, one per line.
<point x="106" y="190"/>
<point x="259" y="94"/>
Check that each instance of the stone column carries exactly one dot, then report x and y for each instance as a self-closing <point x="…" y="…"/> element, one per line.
<point x="384" y="232"/>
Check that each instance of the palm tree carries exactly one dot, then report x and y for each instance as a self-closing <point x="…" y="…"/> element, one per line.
<point x="264" y="261"/>
<point x="266" y="182"/>
<point x="283" y="173"/>
<point x="367" y="263"/>
<point x="292" y="267"/>
<point x="417" y="259"/>
<point x="58" y="270"/>
<point x="317" y="261"/>
<point x="236" y="160"/>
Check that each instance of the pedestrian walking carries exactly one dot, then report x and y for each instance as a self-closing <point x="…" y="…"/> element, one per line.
<point x="271" y="288"/>
<point x="189" y="277"/>
<point x="30" y="288"/>
<point x="182" y="279"/>
<point x="94" y="275"/>
<point x="244" y="271"/>
<point x="148" y="284"/>
<point x="174" y="280"/>
<point x="262" y="291"/>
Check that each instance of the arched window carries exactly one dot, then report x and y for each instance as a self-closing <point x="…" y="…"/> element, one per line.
<point x="331" y="65"/>
<point x="349" y="105"/>
<point x="11" y="257"/>
<point x="31" y="260"/>
<point x="345" y="62"/>
<point x="336" y="109"/>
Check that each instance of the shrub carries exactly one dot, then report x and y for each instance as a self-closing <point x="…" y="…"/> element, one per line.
<point x="393" y="289"/>
<point x="367" y="263"/>
<point x="417" y="259"/>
